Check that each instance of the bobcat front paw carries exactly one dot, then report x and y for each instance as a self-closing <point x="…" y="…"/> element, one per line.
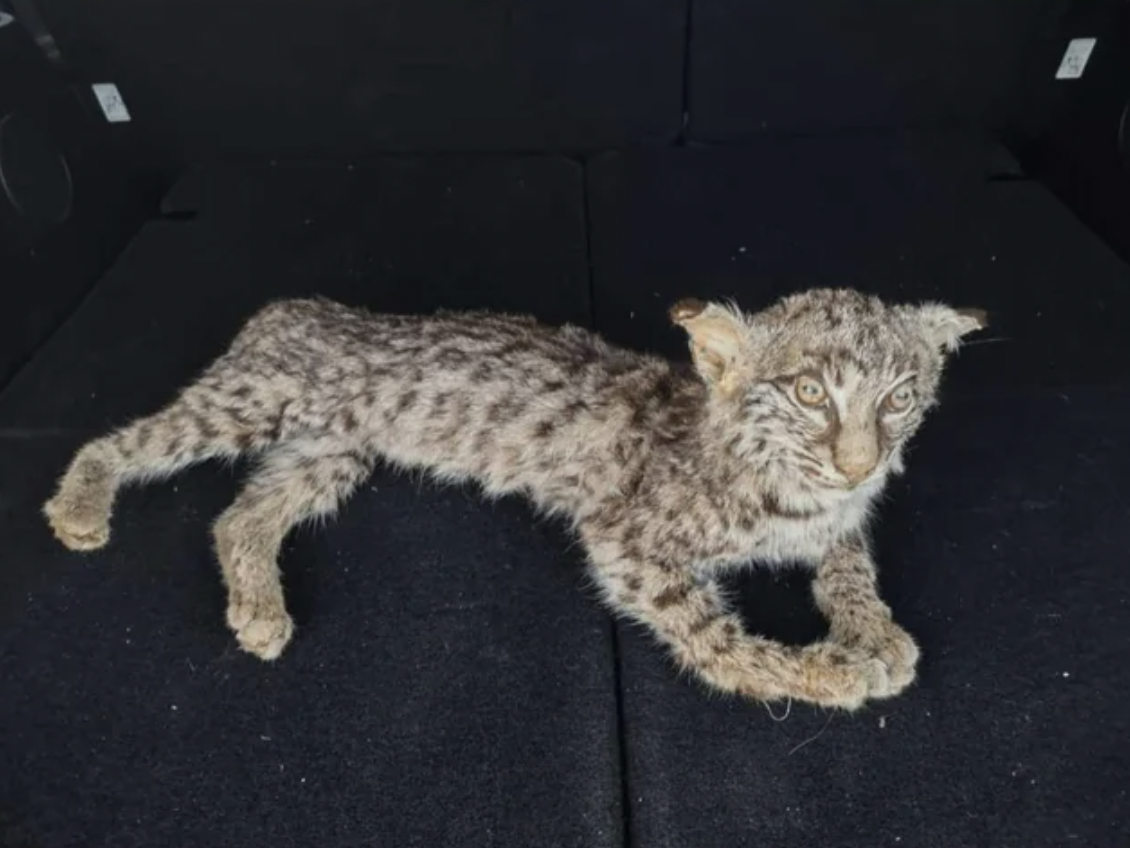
<point x="900" y="652"/>
<point x="261" y="629"/>
<point x="81" y="524"/>
<point x="893" y="646"/>
<point x="836" y="676"/>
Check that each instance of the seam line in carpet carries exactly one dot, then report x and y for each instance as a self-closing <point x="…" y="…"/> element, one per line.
<point x="613" y="629"/>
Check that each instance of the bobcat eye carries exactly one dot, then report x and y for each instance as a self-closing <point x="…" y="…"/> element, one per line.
<point x="901" y="399"/>
<point x="810" y="391"/>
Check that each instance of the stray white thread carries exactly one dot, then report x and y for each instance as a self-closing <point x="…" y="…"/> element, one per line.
<point x="813" y="738"/>
<point x="788" y="709"/>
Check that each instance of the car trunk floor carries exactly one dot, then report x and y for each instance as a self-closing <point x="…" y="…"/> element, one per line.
<point x="453" y="680"/>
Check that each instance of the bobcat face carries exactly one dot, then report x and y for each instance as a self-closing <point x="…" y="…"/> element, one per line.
<point x="831" y="384"/>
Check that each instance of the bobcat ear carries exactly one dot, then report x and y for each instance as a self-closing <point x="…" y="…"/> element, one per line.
<point x="944" y="326"/>
<point x="718" y="341"/>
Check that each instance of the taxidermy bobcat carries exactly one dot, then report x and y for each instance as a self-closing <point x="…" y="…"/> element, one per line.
<point x="772" y="448"/>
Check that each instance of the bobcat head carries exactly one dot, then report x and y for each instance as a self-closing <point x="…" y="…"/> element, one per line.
<point x="826" y="386"/>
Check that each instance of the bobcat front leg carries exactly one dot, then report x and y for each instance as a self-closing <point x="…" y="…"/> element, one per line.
<point x="691" y="618"/>
<point x="846" y="591"/>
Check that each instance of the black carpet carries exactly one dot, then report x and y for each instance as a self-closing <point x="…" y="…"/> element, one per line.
<point x="452" y="681"/>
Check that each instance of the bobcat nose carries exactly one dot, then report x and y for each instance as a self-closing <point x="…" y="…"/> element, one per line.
<point x="856" y="458"/>
<point x="856" y="472"/>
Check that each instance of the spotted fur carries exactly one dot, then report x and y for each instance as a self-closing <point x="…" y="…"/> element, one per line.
<point x="770" y="448"/>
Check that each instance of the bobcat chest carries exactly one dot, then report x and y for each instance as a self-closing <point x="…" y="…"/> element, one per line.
<point x="808" y="539"/>
<point x="782" y="539"/>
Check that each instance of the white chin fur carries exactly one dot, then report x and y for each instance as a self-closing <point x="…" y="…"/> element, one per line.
<point x="896" y="465"/>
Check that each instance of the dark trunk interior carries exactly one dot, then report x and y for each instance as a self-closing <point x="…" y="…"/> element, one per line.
<point x="454" y="681"/>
